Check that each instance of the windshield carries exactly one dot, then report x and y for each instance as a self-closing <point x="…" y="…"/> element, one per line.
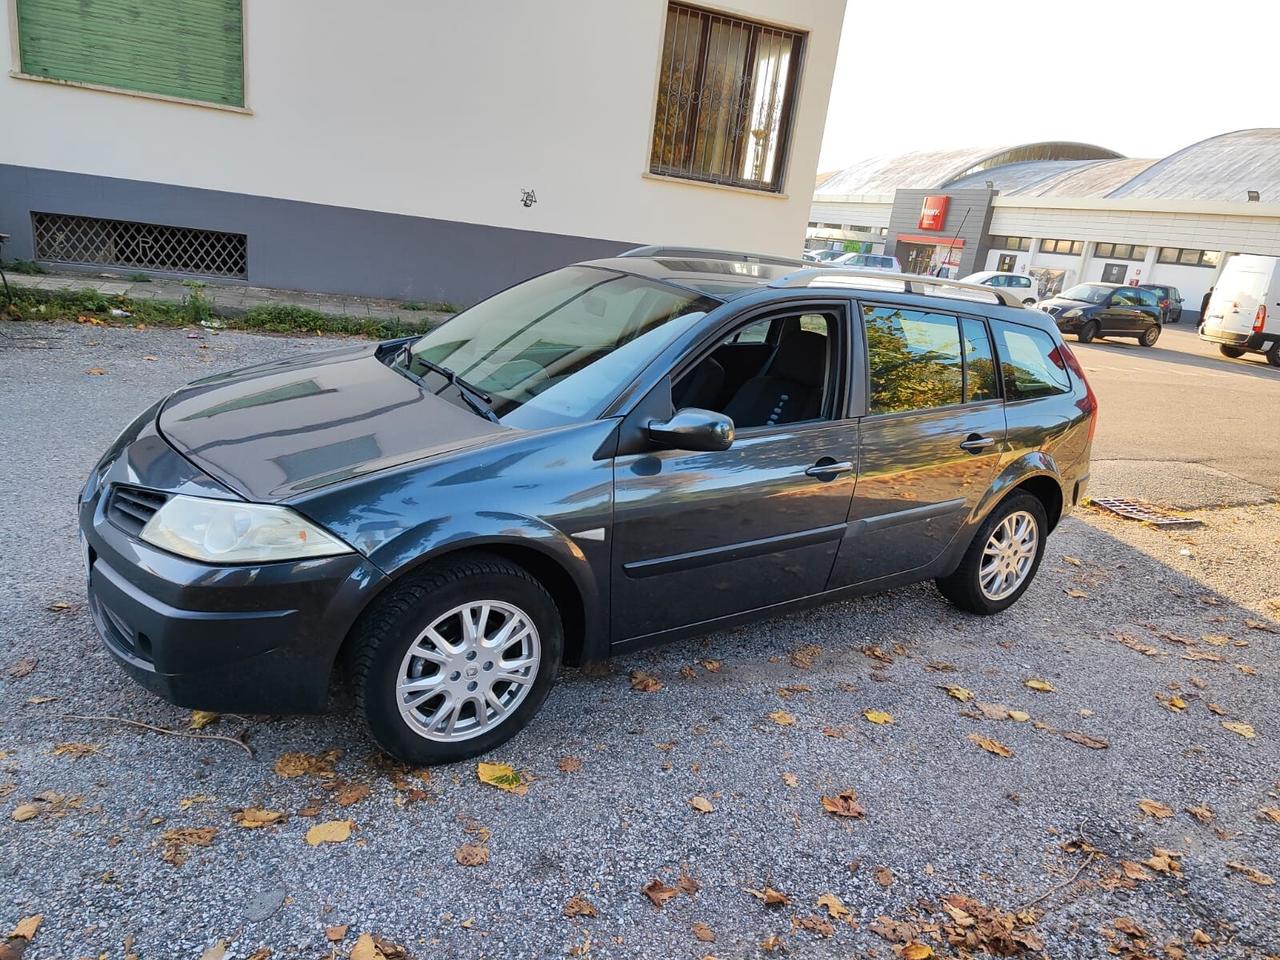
<point x="1088" y="292"/>
<point x="553" y="349"/>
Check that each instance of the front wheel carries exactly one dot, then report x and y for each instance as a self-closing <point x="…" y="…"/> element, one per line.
<point x="1088" y="332"/>
<point x="1235" y="353"/>
<point x="456" y="660"/>
<point x="1149" y="336"/>
<point x="1003" y="558"/>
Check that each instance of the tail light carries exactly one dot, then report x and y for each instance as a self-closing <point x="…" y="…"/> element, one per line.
<point x="1088" y="404"/>
<point x="1164" y="304"/>
<point x="1260" y="318"/>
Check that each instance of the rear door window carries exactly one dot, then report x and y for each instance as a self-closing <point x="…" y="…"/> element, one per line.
<point x="1031" y="362"/>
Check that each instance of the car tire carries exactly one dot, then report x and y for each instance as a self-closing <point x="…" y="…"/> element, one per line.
<point x="1029" y="301"/>
<point x="1273" y="355"/>
<point x="393" y="649"/>
<point x="1149" y="336"/>
<point x="1235" y="353"/>
<point x="1088" y="332"/>
<point x="969" y="586"/>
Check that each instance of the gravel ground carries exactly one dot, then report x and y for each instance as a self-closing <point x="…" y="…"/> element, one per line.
<point x="942" y="816"/>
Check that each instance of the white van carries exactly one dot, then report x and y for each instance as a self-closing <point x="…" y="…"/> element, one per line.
<point x="1244" y="312"/>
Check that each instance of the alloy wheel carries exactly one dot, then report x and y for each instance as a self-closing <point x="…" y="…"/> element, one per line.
<point x="468" y="670"/>
<point x="1008" y="555"/>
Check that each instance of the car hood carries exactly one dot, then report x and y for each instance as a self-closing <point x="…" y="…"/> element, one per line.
<point x="277" y="430"/>
<point x="1062" y="303"/>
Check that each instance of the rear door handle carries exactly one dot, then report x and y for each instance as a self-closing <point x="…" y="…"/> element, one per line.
<point x="829" y="469"/>
<point x="973" y="443"/>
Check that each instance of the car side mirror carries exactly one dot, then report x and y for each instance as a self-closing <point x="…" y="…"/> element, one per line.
<point x="693" y="429"/>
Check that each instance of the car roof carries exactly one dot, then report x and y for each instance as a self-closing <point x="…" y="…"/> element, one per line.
<point x="722" y="279"/>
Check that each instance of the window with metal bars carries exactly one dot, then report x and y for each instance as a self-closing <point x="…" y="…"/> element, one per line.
<point x="143" y="246"/>
<point x="726" y="94"/>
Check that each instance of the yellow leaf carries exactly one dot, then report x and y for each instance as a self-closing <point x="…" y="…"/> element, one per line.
<point x="75" y="750"/>
<point x="252" y="817"/>
<point x="1154" y="808"/>
<point x="1251" y="873"/>
<point x="791" y="780"/>
<point x="25" y="811"/>
<point x="1271" y="813"/>
<point x="782" y="718"/>
<point x="201" y="719"/>
<point x="915" y="950"/>
<point x="28" y="926"/>
<point x="1021" y="716"/>
<point x="878" y="716"/>
<point x="331" y="831"/>
<point x="336" y="933"/>
<point x="703" y="932"/>
<point x="769" y="896"/>
<point x="959" y="693"/>
<point x="366" y="949"/>
<point x="645" y="682"/>
<point x="1074" y="561"/>
<point x="1215" y="639"/>
<point x="471" y="855"/>
<point x="1041" y="686"/>
<point x="503" y="776"/>
<point x="991" y="746"/>
<point x="1075" y="594"/>
<point x="834" y="905"/>
<point x="701" y="804"/>
<point x="1235" y="726"/>
<point x="844" y="804"/>
<point x="186" y="803"/>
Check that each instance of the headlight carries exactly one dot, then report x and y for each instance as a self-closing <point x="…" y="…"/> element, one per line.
<point x="230" y="531"/>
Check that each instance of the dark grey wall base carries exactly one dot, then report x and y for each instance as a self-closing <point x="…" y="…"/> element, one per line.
<point x="307" y="246"/>
<point x="904" y="219"/>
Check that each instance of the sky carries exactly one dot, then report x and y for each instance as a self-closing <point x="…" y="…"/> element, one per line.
<point x="1140" y="77"/>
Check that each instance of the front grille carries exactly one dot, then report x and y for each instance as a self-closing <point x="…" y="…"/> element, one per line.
<point x="131" y="507"/>
<point x="145" y="246"/>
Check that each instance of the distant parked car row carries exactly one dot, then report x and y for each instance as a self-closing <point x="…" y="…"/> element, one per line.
<point x="858" y="261"/>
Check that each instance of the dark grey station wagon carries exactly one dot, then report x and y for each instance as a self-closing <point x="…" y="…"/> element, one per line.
<point x="605" y="457"/>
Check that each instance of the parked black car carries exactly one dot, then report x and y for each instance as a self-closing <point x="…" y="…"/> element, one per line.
<point x="604" y="457"/>
<point x="1106" y="310"/>
<point x="1168" y="299"/>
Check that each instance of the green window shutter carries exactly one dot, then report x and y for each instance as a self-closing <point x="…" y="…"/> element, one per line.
<point x="179" y="48"/>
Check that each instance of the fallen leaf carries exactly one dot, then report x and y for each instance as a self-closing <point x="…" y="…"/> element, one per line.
<point x="1154" y="808"/>
<point x="1200" y="938"/>
<point x="878" y="716"/>
<point x="1260" y="625"/>
<point x="253" y="817"/>
<point x="1041" y="686"/>
<point x="366" y="949"/>
<point x="201" y="719"/>
<point x="1251" y="873"/>
<point x="150" y="357"/>
<point x="1128" y="927"/>
<point x="22" y="667"/>
<point x="1235" y="726"/>
<point x="215" y="951"/>
<point x="658" y="892"/>
<point x="1165" y="861"/>
<point x="813" y="923"/>
<point x="27" y="927"/>
<point x="771" y="944"/>
<point x="1173" y="703"/>
<point x="471" y="855"/>
<point x="915" y="950"/>
<point x="179" y="839"/>
<point x="782" y="718"/>
<point x="351" y="793"/>
<point x="645" y="682"/>
<point x="688" y="673"/>
<point x="834" y="906"/>
<point x="75" y="750"/>
<point x="804" y="657"/>
<point x="502" y="776"/>
<point x="568" y="764"/>
<point x="790" y="779"/>
<point x="1075" y="594"/>
<point x="844" y="804"/>
<point x="336" y="933"/>
<point x="186" y="803"/>
<point x="1074" y="561"/>
<point x="25" y="811"/>
<point x="703" y="932"/>
<point x="1215" y="639"/>
<point x="95" y="372"/>
<point x="1093" y="743"/>
<point x="1271" y="813"/>
<point x="1204" y="813"/>
<point x="1134" y="871"/>
<point x="58" y="606"/>
<point x="769" y="896"/>
<point x="687" y="884"/>
<point x="958" y="693"/>
<point x="711" y="666"/>
<point x="1020" y="716"/>
<point x="793" y="689"/>
<point x="331" y="831"/>
<point x="578" y="906"/>
<point x="290" y="765"/>
<point x="39" y="699"/>
<point x="701" y="804"/>
<point x="991" y="746"/>
<point x="884" y="876"/>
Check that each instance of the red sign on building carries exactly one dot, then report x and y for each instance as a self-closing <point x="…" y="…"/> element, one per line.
<point x="933" y="212"/>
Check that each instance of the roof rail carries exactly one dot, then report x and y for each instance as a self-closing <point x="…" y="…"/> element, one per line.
<point x="708" y="253"/>
<point x="937" y="286"/>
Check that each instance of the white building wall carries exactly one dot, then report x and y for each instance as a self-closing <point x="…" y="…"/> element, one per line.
<point x="445" y="111"/>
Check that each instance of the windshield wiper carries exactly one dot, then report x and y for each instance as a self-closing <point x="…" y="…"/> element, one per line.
<point x="476" y="399"/>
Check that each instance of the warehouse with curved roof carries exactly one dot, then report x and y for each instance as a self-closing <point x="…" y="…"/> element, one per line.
<point x="1062" y="211"/>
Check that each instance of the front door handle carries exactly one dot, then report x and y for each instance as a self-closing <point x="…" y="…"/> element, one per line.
<point x="828" y="469"/>
<point x="974" y="443"/>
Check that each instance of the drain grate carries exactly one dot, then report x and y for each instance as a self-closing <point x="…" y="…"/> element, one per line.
<point x="1143" y="511"/>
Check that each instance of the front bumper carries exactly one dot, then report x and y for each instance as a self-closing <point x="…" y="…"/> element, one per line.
<point x="255" y="639"/>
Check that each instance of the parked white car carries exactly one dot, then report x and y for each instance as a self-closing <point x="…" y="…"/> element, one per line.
<point x="868" y="261"/>
<point x="1243" y="315"/>
<point x="1020" y="284"/>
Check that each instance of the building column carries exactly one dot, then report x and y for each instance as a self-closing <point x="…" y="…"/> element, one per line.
<point x="1148" y="264"/>
<point x="1086" y="254"/>
<point x="1031" y="254"/>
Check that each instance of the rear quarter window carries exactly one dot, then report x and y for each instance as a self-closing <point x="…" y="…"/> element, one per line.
<point x="1031" y="363"/>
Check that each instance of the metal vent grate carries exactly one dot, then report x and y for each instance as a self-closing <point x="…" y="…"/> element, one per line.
<point x="1143" y="511"/>
<point x="147" y="246"/>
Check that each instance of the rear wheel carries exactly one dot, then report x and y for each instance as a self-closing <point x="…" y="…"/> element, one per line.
<point x="1088" y="332"/>
<point x="1235" y="353"/>
<point x="1149" y="336"/>
<point x="1273" y="355"/>
<point x="457" y="660"/>
<point x="1003" y="558"/>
